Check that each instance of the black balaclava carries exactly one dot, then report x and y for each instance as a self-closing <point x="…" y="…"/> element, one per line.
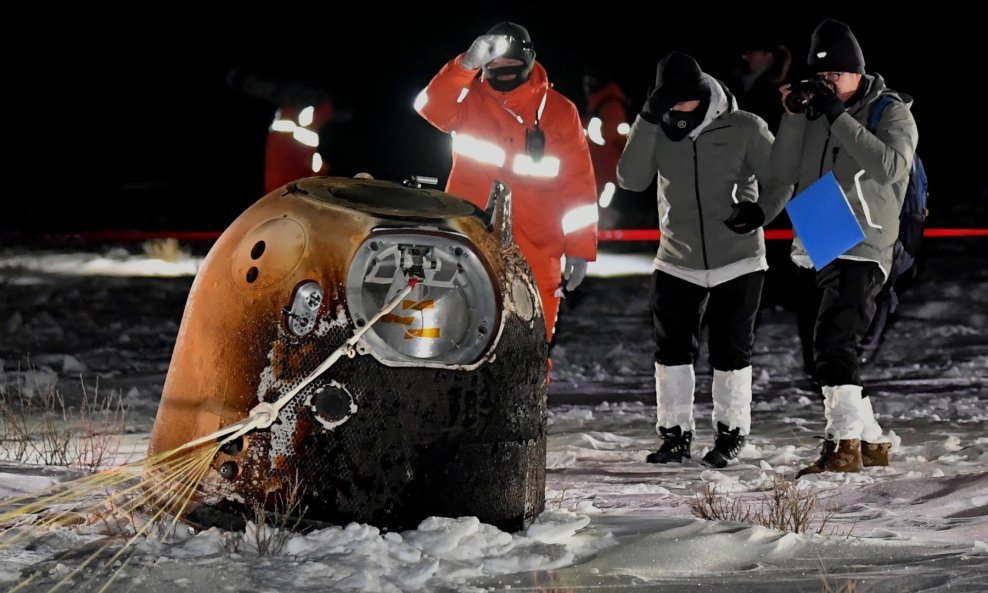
<point x="682" y="78"/>
<point x="519" y="48"/>
<point x="678" y="124"/>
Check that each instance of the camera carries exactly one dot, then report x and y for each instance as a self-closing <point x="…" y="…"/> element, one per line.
<point x="801" y="94"/>
<point x="535" y="143"/>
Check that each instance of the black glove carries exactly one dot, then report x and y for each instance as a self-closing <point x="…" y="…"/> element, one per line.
<point x="659" y="101"/>
<point x="826" y="102"/>
<point x="746" y="217"/>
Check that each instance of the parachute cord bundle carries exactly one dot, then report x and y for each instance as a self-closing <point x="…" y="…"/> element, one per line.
<point x="165" y="482"/>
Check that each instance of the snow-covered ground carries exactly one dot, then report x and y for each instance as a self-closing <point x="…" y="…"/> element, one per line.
<point x="612" y="521"/>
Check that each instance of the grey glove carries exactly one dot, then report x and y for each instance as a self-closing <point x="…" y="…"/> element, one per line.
<point x="484" y="49"/>
<point x="574" y="272"/>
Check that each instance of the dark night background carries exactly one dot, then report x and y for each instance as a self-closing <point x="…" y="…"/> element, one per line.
<point x="131" y="125"/>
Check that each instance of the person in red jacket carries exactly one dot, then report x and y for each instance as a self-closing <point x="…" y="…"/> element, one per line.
<point x="291" y="150"/>
<point x="508" y="125"/>
<point x="606" y="121"/>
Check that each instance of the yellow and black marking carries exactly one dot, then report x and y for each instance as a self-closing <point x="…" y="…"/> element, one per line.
<point x="410" y="305"/>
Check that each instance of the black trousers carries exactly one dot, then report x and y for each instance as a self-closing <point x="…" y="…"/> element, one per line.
<point x="677" y="310"/>
<point x="835" y="310"/>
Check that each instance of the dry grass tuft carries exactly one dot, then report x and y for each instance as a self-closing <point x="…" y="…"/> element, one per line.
<point x="785" y="508"/>
<point x="164" y="249"/>
<point x="38" y="427"/>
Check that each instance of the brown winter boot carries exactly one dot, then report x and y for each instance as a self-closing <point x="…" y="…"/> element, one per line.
<point x="836" y="456"/>
<point x="875" y="454"/>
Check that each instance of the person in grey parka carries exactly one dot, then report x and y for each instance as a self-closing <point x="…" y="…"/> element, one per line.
<point x="710" y="158"/>
<point x="872" y="167"/>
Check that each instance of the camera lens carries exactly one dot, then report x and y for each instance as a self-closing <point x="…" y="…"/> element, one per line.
<point x="798" y="100"/>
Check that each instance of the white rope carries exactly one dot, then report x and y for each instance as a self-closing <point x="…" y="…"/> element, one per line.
<point x="264" y="414"/>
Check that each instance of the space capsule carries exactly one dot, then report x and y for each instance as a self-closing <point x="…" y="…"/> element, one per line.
<point x="438" y="409"/>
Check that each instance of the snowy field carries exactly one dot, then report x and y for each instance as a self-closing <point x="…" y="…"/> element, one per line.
<point x="612" y="521"/>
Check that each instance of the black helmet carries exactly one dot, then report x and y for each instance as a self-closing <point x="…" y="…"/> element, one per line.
<point x="519" y="48"/>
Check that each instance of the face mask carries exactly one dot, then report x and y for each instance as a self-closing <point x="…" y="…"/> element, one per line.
<point x="521" y="73"/>
<point x="678" y="124"/>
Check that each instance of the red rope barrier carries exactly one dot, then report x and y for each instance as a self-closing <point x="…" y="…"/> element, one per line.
<point x="770" y="234"/>
<point x="602" y="235"/>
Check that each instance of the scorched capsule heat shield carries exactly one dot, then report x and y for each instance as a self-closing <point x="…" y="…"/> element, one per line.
<point x="440" y="407"/>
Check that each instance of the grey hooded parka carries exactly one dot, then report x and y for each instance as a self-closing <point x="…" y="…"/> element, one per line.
<point x="701" y="177"/>
<point x="871" y="168"/>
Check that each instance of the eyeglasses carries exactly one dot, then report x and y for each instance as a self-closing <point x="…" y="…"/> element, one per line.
<point x="830" y="76"/>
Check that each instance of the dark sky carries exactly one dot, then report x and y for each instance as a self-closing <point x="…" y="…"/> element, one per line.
<point x="134" y="126"/>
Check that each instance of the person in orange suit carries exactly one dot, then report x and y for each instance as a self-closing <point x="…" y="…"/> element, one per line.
<point x="291" y="150"/>
<point x="508" y="125"/>
<point x="606" y="121"/>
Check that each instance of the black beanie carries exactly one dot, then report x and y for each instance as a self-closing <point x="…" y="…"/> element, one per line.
<point x="681" y="75"/>
<point x="833" y="48"/>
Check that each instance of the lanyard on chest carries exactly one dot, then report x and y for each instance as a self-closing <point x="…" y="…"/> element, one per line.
<point x="534" y="137"/>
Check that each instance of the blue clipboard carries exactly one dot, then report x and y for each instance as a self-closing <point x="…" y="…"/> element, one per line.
<point x="823" y="221"/>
